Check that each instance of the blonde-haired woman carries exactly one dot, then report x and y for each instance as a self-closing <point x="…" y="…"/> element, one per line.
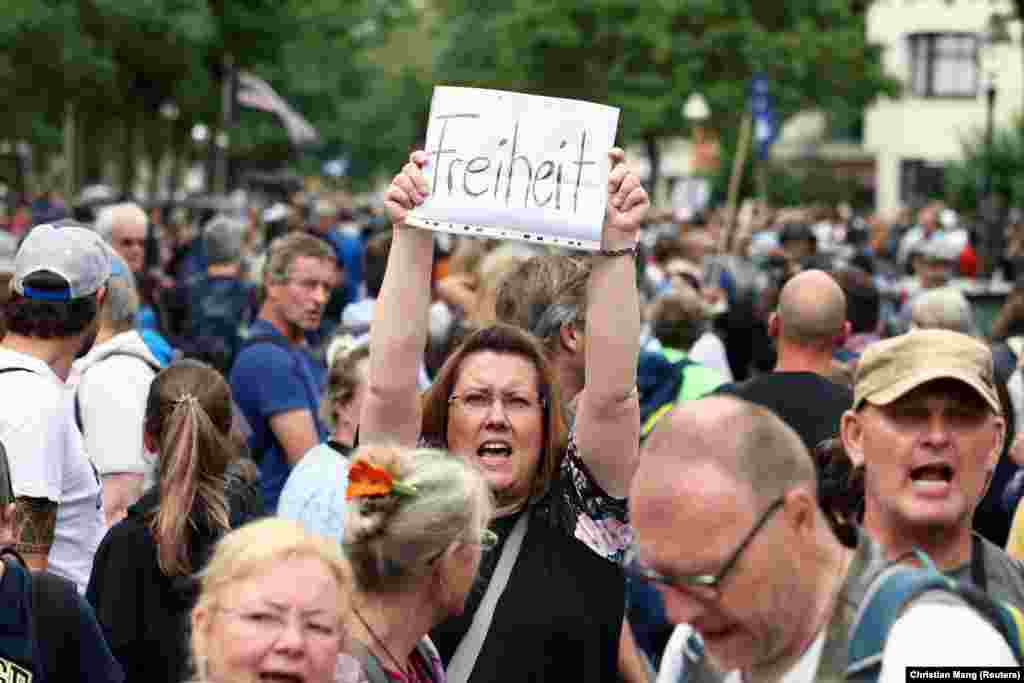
<point x="417" y="524"/>
<point x="142" y="584"/>
<point x="271" y="606"/>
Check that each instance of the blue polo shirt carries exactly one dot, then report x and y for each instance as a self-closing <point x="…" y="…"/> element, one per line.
<point x="268" y="379"/>
<point x="348" y="250"/>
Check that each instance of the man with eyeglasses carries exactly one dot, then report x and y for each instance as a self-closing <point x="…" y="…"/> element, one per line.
<point x="730" y="530"/>
<point x="123" y="227"/>
<point x="927" y="430"/>
<point x="275" y="380"/>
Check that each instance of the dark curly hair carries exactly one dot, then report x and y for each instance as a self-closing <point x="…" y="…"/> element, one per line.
<point x="840" y="490"/>
<point x="49" y="319"/>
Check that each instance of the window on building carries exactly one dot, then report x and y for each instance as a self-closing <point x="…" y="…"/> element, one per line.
<point x="944" y="64"/>
<point x="921" y="181"/>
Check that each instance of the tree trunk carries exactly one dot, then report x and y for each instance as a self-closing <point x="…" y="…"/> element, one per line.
<point x="91" y="148"/>
<point x="179" y="150"/>
<point x="128" y="157"/>
<point x="654" y="158"/>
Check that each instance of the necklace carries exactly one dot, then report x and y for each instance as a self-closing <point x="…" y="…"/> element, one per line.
<point x="381" y="645"/>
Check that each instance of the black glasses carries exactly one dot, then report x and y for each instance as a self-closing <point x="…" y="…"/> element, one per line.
<point x="704" y="586"/>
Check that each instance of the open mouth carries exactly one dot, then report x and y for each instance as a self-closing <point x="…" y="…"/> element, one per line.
<point x="933" y="480"/>
<point x="494" y="449"/>
<point x="941" y="473"/>
<point x="280" y="677"/>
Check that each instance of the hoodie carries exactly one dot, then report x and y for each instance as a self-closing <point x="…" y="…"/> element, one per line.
<point x="110" y="404"/>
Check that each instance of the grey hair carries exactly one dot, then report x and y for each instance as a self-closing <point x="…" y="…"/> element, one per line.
<point x="223" y="238"/>
<point x="392" y="539"/>
<point x="109" y="216"/>
<point x="120" y="304"/>
<point x="286" y="249"/>
<point x="554" y="317"/>
<point x="944" y="308"/>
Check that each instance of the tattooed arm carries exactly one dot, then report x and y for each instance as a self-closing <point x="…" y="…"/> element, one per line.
<point x="35" y="521"/>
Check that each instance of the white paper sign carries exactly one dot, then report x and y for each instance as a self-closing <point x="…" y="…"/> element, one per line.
<point x="515" y="166"/>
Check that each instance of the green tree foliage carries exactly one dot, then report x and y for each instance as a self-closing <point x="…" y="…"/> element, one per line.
<point x="113" y="64"/>
<point x="361" y="70"/>
<point x="965" y="180"/>
<point x="647" y="56"/>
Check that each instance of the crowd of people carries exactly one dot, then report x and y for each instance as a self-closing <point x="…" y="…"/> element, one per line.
<point x="297" y="442"/>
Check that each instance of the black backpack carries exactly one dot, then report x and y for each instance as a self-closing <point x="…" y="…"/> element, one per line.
<point x="215" y="324"/>
<point x="659" y="382"/>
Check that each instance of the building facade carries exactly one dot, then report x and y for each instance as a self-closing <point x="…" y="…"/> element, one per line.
<point x="938" y="49"/>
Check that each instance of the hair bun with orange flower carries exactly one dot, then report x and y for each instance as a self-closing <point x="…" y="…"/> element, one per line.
<point x="366" y="480"/>
<point x="375" y="489"/>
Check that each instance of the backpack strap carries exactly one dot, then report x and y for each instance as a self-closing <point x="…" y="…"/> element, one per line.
<point x="1016" y="345"/>
<point x="152" y="365"/>
<point x="889" y="595"/>
<point x="679" y="368"/>
<point x="274" y="339"/>
<point x="15" y="369"/>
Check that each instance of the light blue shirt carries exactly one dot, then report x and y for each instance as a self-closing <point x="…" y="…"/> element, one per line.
<point x="314" y="494"/>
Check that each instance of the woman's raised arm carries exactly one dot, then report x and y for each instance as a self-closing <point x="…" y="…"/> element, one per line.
<point x="391" y="410"/>
<point x="608" y="419"/>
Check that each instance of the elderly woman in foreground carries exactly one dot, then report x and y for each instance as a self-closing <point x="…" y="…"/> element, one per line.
<point x="415" y="533"/>
<point x="271" y="607"/>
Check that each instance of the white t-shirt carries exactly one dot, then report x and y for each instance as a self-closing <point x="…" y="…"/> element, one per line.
<point x="48" y="460"/>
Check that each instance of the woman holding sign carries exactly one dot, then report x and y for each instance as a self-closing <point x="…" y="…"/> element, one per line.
<point x="546" y="606"/>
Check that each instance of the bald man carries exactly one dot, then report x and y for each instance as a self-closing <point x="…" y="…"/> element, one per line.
<point x="729" y="528"/>
<point x="808" y="326"/>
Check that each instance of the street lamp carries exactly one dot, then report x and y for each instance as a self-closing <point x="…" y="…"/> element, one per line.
<point x="696" y="112"/>
<point x="696" y="109"/>
<point x="995" y="40"/>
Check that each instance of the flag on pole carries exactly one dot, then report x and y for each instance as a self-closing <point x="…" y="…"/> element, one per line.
<point x="256" y="93"/>
<point x="766" y="126"/>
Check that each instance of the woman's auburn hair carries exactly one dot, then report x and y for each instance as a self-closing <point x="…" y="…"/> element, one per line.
<point x="502" y="339"/>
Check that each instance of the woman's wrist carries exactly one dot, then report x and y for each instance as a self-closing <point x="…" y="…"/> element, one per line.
<point x="614" y="240"/>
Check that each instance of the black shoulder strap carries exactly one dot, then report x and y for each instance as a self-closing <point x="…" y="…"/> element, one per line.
<point x="978" y="576"/>
<point x="155" y="367"/>
<point x="152" y="365"/>
<point x="274" y="339"/>
<point x="3" y="370"/>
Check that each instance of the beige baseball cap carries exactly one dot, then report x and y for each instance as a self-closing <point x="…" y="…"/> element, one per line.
<point x="892" y="368"/>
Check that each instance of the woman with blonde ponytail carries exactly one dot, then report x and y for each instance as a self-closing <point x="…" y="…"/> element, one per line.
<point x="142" y="584"/>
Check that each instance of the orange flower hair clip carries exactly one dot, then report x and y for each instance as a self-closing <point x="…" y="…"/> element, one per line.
<point x="366" y="481"/>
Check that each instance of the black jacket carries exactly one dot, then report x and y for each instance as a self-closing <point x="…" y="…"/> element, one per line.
<point x="143" y="612"/>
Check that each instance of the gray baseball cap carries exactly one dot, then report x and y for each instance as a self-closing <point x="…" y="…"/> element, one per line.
<point x="72" y="252"/>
